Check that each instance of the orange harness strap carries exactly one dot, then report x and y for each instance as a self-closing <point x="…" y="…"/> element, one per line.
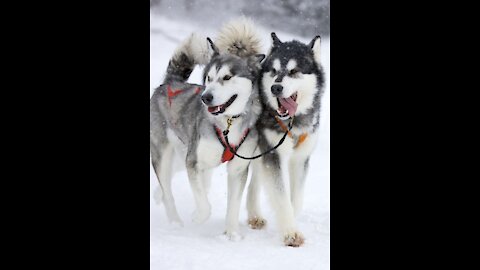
<point x="301" y="138"/>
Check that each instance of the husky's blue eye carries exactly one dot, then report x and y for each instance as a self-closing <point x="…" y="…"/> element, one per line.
<point x="293" y="72"/>
<point x="274" y="71"/>
<point x="227" y="77"/>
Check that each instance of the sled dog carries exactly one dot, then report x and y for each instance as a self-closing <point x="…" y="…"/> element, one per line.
<point x="189" y="120"/>
<point x="291" y="86"/>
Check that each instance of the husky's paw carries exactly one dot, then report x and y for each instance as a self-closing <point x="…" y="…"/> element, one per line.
<point x="294" y="239"/>
<point x="176" y="223"/>
<point x="257" y="223"/>
<point x="200" y="217"/>
<point x="233" y="236"/>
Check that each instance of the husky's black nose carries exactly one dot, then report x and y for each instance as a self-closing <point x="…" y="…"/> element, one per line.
<point x="277" y="89"/>
<point x="207" y="98"/>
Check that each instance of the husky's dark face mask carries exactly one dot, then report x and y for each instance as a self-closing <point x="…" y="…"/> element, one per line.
<point x="290" y="76"/>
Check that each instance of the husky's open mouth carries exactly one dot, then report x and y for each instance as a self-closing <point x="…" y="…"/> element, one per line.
<point x="287" y="106"/>
<point x="216" y="110"/>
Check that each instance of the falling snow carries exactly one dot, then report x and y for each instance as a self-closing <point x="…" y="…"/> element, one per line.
<point x="203" y="246"/>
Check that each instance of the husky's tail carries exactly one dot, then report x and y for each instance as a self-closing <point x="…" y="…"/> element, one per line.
<point x="239" y="37"/>
<point x="193" y="51"/>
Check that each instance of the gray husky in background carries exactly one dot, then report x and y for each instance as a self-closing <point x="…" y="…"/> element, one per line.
<point x="189" y="120"/>
<point x="291" y="86"/>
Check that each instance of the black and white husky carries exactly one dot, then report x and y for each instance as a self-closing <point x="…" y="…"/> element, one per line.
<point x="291" y="86"/>
<point x="189" y="120"/>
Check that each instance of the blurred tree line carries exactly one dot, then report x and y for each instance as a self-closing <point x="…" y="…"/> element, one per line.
<point x="303" y="17"/>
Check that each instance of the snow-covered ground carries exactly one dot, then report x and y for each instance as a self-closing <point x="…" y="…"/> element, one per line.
<point x="202" y="246"/>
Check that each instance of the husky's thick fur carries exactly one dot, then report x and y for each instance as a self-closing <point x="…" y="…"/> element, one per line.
<point x="291" y="86"/>
<point x="185" y="119"/>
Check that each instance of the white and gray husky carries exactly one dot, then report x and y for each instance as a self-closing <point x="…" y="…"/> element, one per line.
<point x="291" y="86"/>
<point x="189" y="120"/>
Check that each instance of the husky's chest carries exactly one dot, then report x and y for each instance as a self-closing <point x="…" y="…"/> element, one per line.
<point x="297" y="144"/>
<point x="212" y="150"/>
<point x="209" y="153"/>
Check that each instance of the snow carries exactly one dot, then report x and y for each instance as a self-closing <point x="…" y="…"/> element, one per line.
<point x="204" y="246"/>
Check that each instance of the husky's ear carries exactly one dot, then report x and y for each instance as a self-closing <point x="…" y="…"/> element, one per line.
<point x="214" y="48"/>
<point x="275" y="41"/>
<point x="315" y="46"/>
<point x="259" y="57"/>
<point x="255" y="60"/>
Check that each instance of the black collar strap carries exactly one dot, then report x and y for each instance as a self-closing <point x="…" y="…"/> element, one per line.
<point x="289" y="127"/>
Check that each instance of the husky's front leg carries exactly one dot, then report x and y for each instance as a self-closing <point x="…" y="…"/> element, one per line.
<point x="298" y="168"/>
<point x="237" y="178"/>
<point x="280" y="200"/>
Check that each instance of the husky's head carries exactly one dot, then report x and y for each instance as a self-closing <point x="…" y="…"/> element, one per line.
<point x="291" y="76"/>
<point x="229" y="82"/>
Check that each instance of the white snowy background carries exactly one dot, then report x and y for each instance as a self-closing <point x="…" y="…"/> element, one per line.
<point x="203" y="246"/>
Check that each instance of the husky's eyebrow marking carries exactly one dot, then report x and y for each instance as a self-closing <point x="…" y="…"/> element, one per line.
<point x="276" y="64"/>
<point x="292" y="63"/>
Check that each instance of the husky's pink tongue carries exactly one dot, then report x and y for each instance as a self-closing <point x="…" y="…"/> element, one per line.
<point x="289" y="104"/>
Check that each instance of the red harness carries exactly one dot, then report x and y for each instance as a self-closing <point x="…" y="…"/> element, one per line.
<point x="227" y="154"/>
<point x="172" y="93"/>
